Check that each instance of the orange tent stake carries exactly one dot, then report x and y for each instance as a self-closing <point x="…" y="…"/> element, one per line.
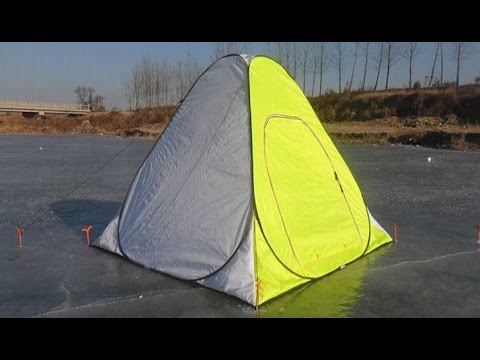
<point x="87" y="233"/>
<point x="395" y="231"/>
<point x="20" y="232"/>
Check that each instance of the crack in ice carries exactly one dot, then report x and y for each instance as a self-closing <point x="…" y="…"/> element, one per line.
<point x="117" y="300"/>
<point x="424" y="261"/>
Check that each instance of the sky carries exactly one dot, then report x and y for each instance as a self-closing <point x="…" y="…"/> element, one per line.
<point x="51" y="71"/>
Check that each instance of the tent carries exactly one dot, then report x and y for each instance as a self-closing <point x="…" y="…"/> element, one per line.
<point x="244" y="192"/>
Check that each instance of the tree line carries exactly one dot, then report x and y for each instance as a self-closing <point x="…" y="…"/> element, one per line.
<point x="316" y="58"/>
<point x="154" y="82"/>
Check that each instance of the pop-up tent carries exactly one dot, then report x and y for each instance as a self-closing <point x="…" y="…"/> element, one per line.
<point x="244" y="192"/>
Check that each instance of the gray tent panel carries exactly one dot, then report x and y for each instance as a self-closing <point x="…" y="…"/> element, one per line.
<point x="190" y="205"/>
<point x="109" y="238"/>
<point x="237" y="277"/>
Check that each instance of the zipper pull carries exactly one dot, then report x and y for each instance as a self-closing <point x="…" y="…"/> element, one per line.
<point x="338" y="181"/>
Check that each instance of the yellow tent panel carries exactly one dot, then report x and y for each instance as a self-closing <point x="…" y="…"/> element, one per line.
<point x="310" y="215"/>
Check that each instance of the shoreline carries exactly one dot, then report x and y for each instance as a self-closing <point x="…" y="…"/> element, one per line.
<point x="458" y="138"/>
<point x="148" y="124"/>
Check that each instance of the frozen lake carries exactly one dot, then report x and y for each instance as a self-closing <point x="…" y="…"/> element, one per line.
<point x="432" y="271"/>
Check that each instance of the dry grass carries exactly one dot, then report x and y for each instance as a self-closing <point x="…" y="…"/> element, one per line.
<point x="429" y="132"/>
<point x="115" y="123"/>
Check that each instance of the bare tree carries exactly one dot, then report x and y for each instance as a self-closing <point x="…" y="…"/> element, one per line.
<point x="137" y="85"/>
<point x="86" y="96"/>
<point x="279" y="51"/>
<point x="128" y="92"/>
<point x="295" y="53"/>
<point x="365" y="49"/>
<point x="461" y="51"/>
<point x="147" y="75"/>
<point x="412" y="49"/>
<point x="187" y="72"/>
<point x="287" y="54"/>
<point x="325" y="60"/>
<point x="392" y="55"/>
<point x="314" y="74"/>
<point x="378" y="62"/>
<point x="320" y="63"/>
<point x="132" y="87"/>
<point x="151" y="82"/>
<point x="167" y="81"/>
<point x="389" y="57"/>
<point x="337" y="59"/>
<point x="306" y="50"/>
<point x="355" y="53"/>
<point x="164" y="74"/>
<point x="433" y="66"/>
<point x="98" y="103"/>
<point x="158" y="84"/>
<point x="441" y="64"/>
<point x="193" y="69"/>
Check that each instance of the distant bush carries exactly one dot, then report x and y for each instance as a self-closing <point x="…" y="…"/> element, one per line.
<point x="417" y="85"/>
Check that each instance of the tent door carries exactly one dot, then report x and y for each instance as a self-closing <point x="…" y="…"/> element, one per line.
<point x="310" y="222"/>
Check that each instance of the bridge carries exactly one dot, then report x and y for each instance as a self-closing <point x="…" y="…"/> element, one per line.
<point x="31" y="108"/>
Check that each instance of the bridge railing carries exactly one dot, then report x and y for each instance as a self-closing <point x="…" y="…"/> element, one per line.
<point x="32" y="105"/>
